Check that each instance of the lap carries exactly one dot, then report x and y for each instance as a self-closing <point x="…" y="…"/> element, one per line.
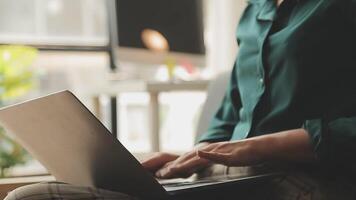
<point x="295" y="185"/>
<point x="61" y="191"/>
<point x="306" y="185"/>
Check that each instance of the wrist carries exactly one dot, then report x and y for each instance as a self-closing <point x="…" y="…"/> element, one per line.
<point x="267" y="147"/>
<point x="261" y="148"/>
<point x="291" y="145"/>
<point x="251" y="150"/>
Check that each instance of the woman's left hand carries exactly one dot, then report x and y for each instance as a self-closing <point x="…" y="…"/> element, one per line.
<point x="233" y="153"/>
<point x="290" y="146"/>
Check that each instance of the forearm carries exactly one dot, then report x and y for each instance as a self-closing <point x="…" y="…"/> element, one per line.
<point x="292" y="145"/>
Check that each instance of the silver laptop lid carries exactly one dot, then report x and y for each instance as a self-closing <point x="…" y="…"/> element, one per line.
<point x="75" y="147"/>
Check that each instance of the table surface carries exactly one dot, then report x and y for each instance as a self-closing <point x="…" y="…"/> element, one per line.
<point x="115" y="87"/>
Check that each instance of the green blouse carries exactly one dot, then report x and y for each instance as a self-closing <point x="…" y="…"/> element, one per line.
<point x="296" y="68"/>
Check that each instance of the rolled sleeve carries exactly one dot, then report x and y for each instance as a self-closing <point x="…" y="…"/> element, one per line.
<point x="315" y="130"/>
<point x="334" y="141"/>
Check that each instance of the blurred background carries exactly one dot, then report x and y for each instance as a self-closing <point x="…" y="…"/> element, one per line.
<point x="141" y="66"/>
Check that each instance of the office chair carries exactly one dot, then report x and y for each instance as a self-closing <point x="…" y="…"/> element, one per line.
<point x="215" y="94"/>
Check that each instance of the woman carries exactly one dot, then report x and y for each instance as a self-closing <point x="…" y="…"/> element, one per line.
<point x="291" y="99"/>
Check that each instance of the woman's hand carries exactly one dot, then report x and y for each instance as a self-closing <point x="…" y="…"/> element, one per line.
<point x="288" y="146"/>
<point x="235" y="153"/>
<point x="158" y="160"/>
<point x="165" y="165"/>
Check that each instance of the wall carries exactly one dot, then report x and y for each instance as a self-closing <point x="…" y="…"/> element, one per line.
<point x="222" y="18"/>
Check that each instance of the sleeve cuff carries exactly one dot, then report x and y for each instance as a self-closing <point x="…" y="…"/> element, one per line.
<point x="318" y="136"/>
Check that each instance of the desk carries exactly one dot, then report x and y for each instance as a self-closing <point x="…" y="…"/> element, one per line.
<point x="153" y="88"/>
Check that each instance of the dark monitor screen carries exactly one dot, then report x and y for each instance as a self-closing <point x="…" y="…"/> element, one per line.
<point x="179" y="21"/>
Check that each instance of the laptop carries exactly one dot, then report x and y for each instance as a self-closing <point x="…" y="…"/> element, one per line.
<point x="76" y="148"/>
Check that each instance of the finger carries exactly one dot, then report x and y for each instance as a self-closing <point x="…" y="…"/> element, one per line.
<point x="219" y="158"/>
<point x="193" y="154"/>
<point x="193" y="165"/>
<point x="154" y="163"/>
<point x="186" y="157"/>
<point x="185" y="169"/>
<point x="182" y="159"/>
<point x="173" y="170"/>
<point x="168" y="171"/>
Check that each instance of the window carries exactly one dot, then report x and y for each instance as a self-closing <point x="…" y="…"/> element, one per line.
<point x="53" y="22"/>
<point x="58" y="25"/>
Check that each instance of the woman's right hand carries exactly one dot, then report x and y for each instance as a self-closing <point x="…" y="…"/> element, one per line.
<point x="158" y="160"/>
<point x="166" y="165"/>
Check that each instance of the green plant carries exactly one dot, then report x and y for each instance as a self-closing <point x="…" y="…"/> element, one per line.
<point x="11" y="153"/>
<point x="16" y="79"/>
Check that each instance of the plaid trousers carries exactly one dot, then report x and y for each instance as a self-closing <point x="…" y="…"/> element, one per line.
<point x="294" y="186"/>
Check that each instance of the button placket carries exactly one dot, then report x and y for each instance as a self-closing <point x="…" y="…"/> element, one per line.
<point x="260" y="72"/>
<point x="262" y="81"/>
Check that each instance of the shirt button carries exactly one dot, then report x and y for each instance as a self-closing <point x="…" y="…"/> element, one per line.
<point x="262" y="80"/>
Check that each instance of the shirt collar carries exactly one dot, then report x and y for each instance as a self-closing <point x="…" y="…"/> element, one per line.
<point x="254" y="1"/>
<point x="268" y="11"/>
<point x="263" y="1"/>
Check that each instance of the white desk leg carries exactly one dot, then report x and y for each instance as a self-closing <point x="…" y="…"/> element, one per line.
<point x="154" y="121"/>
<point x="97" y="107"/>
